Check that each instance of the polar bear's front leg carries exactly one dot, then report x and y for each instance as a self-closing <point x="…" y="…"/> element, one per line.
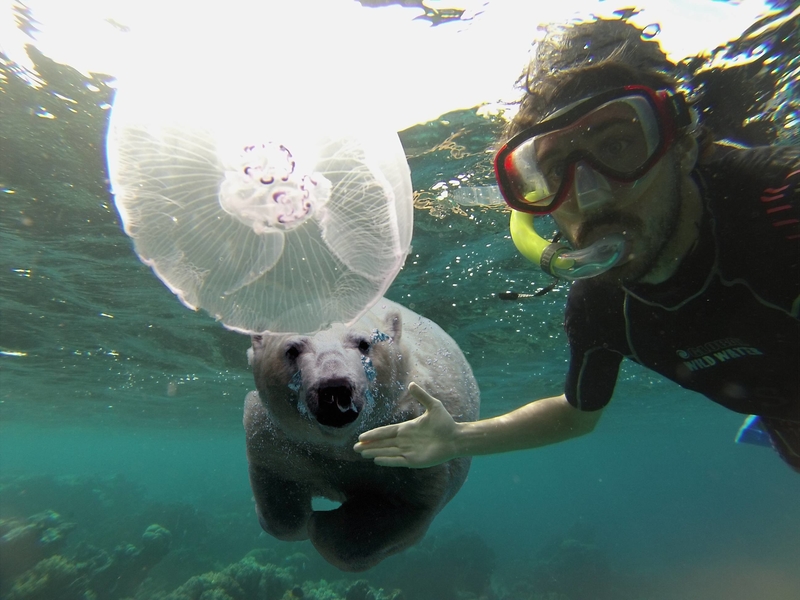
<point x="282" y="506"/>
<point x="366" y="529"/>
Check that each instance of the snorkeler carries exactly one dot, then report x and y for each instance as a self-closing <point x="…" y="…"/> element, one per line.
<point x="685" y="253"/>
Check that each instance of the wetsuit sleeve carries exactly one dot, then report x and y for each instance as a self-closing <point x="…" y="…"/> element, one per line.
<point x="758" y="201"/>
<point x="596" y="330"/>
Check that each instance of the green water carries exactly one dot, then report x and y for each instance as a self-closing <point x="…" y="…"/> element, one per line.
<point x="120" y="408"/>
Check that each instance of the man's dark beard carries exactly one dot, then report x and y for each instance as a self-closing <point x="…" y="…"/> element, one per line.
<point x="638" y="268"/>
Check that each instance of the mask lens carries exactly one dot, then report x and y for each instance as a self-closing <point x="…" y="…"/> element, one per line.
<point x="617" y="138"/>
<point x="531" y="184"/>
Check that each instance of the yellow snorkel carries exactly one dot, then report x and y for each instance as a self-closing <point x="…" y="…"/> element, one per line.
<point x="559" y="260"/>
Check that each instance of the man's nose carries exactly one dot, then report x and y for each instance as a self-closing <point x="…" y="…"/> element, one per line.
<point x="590" y="188"/>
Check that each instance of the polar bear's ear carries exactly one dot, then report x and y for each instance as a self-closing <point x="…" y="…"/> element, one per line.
<point x="257" y="344"/>
<point x="394" y="325"/>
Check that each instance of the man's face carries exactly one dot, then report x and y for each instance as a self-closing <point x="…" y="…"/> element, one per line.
<point x="646" y="212"/>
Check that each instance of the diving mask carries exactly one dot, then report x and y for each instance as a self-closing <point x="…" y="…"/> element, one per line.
<point x="621" y="134"/>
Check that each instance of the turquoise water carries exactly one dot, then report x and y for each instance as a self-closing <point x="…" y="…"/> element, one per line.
<point x="120" y="408"/>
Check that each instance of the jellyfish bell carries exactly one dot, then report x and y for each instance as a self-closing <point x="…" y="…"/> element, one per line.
<point x="267" y="222"/>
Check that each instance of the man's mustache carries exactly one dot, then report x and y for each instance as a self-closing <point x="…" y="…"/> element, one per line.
<point x="619" y="220"/>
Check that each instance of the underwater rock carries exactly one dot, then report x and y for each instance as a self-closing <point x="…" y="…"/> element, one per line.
<point x="120" y="574"/>
<point x="318" y="590"/>
<point x="251" y="579"/>
<point x="574" y="567"/>
<point x="93" y="503"/>
<point x="95" y="574"/>
<point x="295" y="593"/>
<point x="201" y="538"/>
<point x="360" y="590"/>
<point x="239" y="581"/>
<point x="156" y="541"/>
<point x="449" y="566"/>
<point x="54" y="578"/>
<point x="297" y="560"/>
<point x="23" y="543"/>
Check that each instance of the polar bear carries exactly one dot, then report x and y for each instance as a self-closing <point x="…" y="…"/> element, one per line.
<point x="315" y="395"/>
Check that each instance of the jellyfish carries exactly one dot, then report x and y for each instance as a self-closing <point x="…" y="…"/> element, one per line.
<point x="267" y="222"/>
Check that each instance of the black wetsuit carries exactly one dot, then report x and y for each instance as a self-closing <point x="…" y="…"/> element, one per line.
<point x="726" y="323"/>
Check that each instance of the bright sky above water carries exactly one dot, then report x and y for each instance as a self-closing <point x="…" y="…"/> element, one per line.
<point x="381" y="65"/>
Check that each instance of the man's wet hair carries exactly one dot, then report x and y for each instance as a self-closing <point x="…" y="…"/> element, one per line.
<point x="744" y="101"/>
<point x="577" y="60"/>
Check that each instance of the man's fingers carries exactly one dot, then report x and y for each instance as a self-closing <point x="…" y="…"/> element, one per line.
<point x="394" y="461"/>
<point x="370" y="452"/>
<point x="423" y="397"/>
<point x="379" y="446"/>
<point x="386" y="432"/>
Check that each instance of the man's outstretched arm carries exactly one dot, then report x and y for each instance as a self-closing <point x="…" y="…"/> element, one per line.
<point x="434" y="437"/>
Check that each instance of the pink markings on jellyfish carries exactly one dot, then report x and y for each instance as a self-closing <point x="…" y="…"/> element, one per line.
<point x="266" y="190"/>
<point x="260" y="163"/>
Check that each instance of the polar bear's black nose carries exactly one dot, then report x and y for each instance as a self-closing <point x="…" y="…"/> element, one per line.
<point x="335" y="406"/>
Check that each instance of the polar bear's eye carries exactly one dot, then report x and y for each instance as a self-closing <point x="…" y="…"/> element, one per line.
<point x="292" y="351"/>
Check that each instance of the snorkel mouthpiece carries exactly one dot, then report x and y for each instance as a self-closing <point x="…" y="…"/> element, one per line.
<point x="561" y="261"/>
<point x="605" y="253"/>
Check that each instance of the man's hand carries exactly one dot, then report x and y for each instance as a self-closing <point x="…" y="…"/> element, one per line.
<point x="425" y="441"/>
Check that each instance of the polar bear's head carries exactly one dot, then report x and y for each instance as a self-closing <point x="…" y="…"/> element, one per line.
<point x="336" y="377"/>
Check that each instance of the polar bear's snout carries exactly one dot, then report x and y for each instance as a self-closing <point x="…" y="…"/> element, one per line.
<point x="333" y="403"/>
